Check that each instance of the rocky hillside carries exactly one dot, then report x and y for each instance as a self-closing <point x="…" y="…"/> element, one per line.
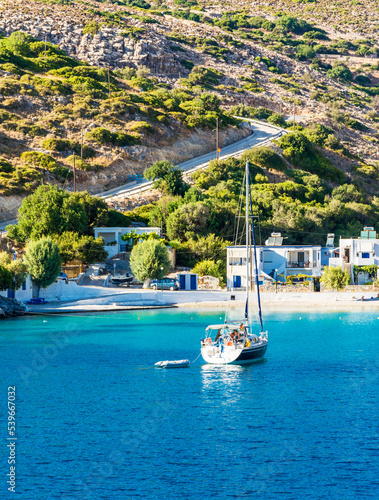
<point x="315" y="58"/>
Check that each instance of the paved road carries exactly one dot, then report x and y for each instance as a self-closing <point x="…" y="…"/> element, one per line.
<point x="5" y="223"/>
<point x="261" y="132"/>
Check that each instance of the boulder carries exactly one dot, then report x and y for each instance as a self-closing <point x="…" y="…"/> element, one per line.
<point x="11" y="307"/>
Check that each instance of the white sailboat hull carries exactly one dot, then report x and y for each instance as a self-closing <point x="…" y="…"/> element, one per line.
<point x="234" y="354"/>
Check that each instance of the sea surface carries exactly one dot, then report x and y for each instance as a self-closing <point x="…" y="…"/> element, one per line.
<point x="96" y="420"/>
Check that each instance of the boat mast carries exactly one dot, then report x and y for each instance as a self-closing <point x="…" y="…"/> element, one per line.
<point x="247" y="243"/>
<point x="255" y="253"/>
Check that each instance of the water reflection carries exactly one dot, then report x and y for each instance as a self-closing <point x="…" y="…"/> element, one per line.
<point x="227" y="382"/>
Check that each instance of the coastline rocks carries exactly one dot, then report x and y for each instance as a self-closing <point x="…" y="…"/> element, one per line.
<point x="11" y="307"/>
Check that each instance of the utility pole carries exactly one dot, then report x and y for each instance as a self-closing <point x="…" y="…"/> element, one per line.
<point x="217" y="148"/>
<point x="74" y="174"/>
<point x="109" y="83"/>
<point x="294" y="115"/>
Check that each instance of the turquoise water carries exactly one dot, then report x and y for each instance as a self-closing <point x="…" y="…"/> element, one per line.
<point x="96" y="420"/>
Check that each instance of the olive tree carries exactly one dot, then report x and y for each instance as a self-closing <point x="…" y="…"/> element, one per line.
<point x="167" y="178"/>
<point x="44" y="262"/>
<point x="147" y="258"/>
<point x="334" y="278"/>
<point x="17" y="268"/>
<point x="6" y="278"/>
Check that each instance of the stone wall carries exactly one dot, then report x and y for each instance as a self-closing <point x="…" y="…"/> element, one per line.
<point x="287" y="288"/>
<point x="361" y="288"/>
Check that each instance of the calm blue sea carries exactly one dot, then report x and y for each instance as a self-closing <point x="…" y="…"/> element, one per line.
<point x="96" y="419"/>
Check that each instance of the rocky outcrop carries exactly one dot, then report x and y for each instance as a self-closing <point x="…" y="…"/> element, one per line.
<point x="109" y="47"/>
<point x="11" y="307"/>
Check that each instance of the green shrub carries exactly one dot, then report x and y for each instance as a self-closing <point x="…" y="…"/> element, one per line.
<point x="22" y="180"/>
<point x="318" y="134"/>
<point x="340" y="71"/>
<point x="298" y="150"/>
<point x="91" y="28"/>
<point x="348" y="193"/>
<point x="56" y="144"/>
<point x="356" y="125"/>
<point x="187" y="64"/>
<point x="277" y="119"/>
<point x="5" y="166"/>
<point x="18" y="43"/>
<point x="5" y="115"/>
<point x="185" y="3"/>
<point x="294" y="25"/>
<point x="217" y="269"/>
<point x="142" y="127"/>
<point x="103" y="136"/>
<point x="121" y="139"/>
<point x="9" y="86"/>
<point x="362" y="80"/>
<point x="204" y="76"/>
<point x="133" y="32"/>
<point x="43" y="161"/>
<point x="304" y="52"/>
<point x="135" y="3"/>
<point x="11" y="68"/>
<point x="99" y="135"/>
<point x="64" y="145"/>
<point x="334" y="278"/>
<point x="249" y="112"/>
<point x="265" y="157"/>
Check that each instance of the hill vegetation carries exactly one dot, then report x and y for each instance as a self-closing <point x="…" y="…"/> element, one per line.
<point x="123" y="83"/>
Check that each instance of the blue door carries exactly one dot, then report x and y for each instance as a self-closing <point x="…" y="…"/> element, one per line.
<point x="182" y="281"/>
<point x="10" y="293"/>
<point x="193" y="281"/>
<point x="236" y="281"/>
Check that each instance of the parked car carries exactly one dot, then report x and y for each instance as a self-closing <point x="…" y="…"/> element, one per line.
<point x="165" y="284"/>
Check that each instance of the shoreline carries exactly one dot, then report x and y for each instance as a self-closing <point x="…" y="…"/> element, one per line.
<point x="97" y="300"/>
<point x="331" y="304"/>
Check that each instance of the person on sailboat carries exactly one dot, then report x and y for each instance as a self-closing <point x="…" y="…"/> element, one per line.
<point x="218" y="334"/>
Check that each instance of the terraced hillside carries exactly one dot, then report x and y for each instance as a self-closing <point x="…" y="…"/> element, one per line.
<point x="141" y="82"/>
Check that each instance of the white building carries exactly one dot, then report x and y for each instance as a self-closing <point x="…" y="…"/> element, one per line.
<point x="113" y="243"/>
<point x="356" y="252"/>
<point x="275" y="262"/>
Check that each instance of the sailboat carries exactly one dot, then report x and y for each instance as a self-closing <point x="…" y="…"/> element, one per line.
<point x="234" y="342"/>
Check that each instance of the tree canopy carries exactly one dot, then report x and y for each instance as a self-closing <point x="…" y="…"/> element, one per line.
<point x="17" y="268"/>
<point x="6" y="278"/>
<point x="44" y="261"/>
<point x="188" y="220"/>
<point x="84" y="248"/>
<point x="167" y="178"/>
<point x="147" y="258"/>
<point x="334" y="278"/>
<point x="52" y="211"/>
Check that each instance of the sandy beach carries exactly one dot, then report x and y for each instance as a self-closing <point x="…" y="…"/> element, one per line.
<point x="148" y="299"/>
